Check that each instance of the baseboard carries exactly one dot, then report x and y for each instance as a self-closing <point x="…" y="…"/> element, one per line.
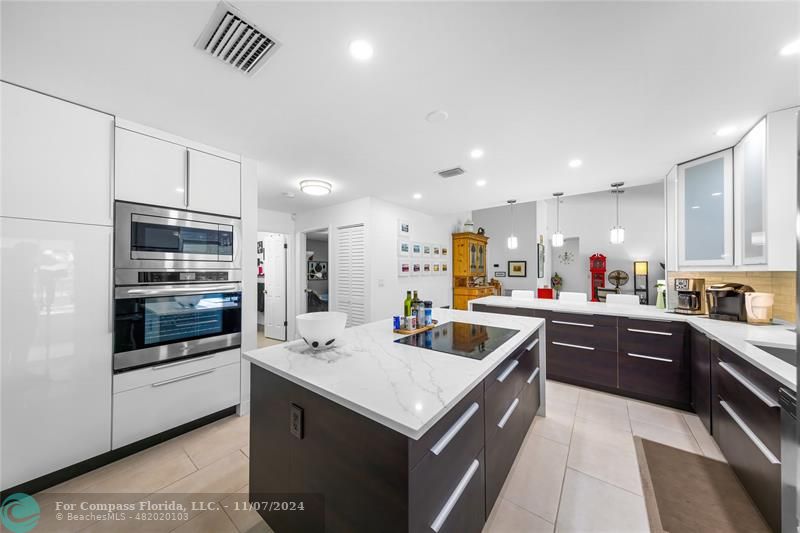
<point x="618" y="392"/>
<point x="65" y="474"/>
<point x="244" y="408"/>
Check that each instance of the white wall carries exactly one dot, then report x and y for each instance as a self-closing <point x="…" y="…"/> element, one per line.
<point x="497" y="223"/>
<point x="591" y="216"/>
<point x="250" y="219"/>
<point x="387" y="289"/>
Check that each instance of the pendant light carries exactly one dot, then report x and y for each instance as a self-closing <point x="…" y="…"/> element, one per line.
<point x="512" y="242"/>
<point x="558" y="237"/>
<point x="617" y="232"/>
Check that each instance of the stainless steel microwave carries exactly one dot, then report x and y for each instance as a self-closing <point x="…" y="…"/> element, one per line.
<point x="149" y="237"/>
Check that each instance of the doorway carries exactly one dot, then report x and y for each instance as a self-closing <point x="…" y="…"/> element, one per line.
<point x="272" y="288"/>
<point x="317" y="282"/>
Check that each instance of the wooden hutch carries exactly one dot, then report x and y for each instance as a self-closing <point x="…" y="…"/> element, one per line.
<point x="469" y="269"/>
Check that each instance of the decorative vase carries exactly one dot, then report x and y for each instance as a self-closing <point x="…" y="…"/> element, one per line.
<point x="469" y="227"/>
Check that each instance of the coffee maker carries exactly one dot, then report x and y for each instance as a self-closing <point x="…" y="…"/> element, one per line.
<point x="691" y="296"/>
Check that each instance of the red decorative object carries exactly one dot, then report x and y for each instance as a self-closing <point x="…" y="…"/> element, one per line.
<point x="546" y="294"/>
<point x="597" y="268"/>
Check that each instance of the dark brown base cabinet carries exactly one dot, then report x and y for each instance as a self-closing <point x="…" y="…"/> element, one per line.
<point x="358" y="475"/>
<point x="701" y="376"/>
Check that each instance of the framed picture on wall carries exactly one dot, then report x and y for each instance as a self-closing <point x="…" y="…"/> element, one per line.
<point x="426" y="268"/>
<point x="517" y="269"/>
<point x="404" y="268"/>
<point x="437" y="268"/>
<point x="416" y="268"/>
<point x="427" y="250"/>
<point x="437" y="250"/>
<point x="404" y="228"/>
<point x="540" y="260"/>
<point x="403" y="247"/>
<point x="444" y="251"/>
<point x="416" y="249"/>
<point x="317" y="270"/>
<point x="444" y="268"/>
<point x="499" y="273"/>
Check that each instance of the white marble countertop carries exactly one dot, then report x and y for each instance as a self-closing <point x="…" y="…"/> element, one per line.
<point x="736" y="336"/>
<point x="405" y="388"/>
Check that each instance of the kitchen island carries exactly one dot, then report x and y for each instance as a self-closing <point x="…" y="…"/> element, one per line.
<point x="375" y="435"/>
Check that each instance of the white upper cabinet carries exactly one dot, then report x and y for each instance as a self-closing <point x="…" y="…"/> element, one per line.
<point x="782" y="189"/>
<point x="705" y="211"/>
<point x="214" y="184"/>
<point x="749" y="157"/>
<point x="156" y="168"/>
<point x="150" y="170"/>
<point x="57" y="159"/>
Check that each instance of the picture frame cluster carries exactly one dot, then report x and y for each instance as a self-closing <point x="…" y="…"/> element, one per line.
<point x="418" y="258"/>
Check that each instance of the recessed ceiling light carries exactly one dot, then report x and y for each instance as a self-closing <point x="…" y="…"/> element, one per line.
<point x="361" y="50"/>
<point x="575" y="163"/>
<point x="695" y="207"/>
<point x="480" y="183"/>
<point x="180" y="189"/>
<point x="791" y="49"/>
<point x="315" y="187"/>
<point x="725" y="131"/>
<point x="417" y="196"/>
<point x="476" y="153"/>
<point x="716" y="194"/>
<point x="437" y="115"/>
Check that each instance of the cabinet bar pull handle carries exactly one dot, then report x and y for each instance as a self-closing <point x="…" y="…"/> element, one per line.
<point x="508" y="414"/>
<point x="650" y="332"/>
<point x="531" y="345"/>
<point x="183" y="362"/>
<point x="181" y="378"/>
<point x="572" y="345"/>
<point x="533" y="375"/>
<point x="758" y="393"/>
<point x="749" y="432"/>
<point x="573" y="324"/>
<point x="511" y="366"/>
<point x="454" y="429"/>
<point x="186" y="181"/>
<point x="453" y="499"/>
<point x="652" y="358"/>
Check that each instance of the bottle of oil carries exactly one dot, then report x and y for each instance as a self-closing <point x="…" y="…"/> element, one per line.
<point x="416" y="305"/>
<point x="407" y="304"/>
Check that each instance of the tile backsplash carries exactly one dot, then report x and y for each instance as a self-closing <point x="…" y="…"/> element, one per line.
<point x="783" y="284"/>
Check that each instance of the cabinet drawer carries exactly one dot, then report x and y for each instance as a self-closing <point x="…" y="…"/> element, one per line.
<point x="757" y="469"/>
<point x="656" y="376"/>
<point x="529" y="343"/>
<point x="162" y="405"/>
<point x="152" y="374"/>
<point x="463" y="511"/>
<point x="580" y="318"/>
<point x="458" y="430"/>
<point x="754" y="405"/>
<point x="652" y="337"/>
<point x="530" y="398"/>
<point x="520" y="311"/>
<point x="583" y="331"/>
<point x="585" y="364"/>
<point x="502" y="446"/>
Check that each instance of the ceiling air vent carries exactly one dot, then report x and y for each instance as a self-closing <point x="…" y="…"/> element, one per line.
<point x="451" y="172"/>
<point x="229" y="37"/>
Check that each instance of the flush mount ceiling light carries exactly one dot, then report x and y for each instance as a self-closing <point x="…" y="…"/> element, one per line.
<point x="316" y="187"/>
<point x="417" y="196"/>
<point x="791" y="49"/>
<point x="361" y="50"/>
<point x="617" y="232"/>
<point x="512" y="241"/>
<point x="725" y="131"/>
<point x="575" y="163"/>
<point x="480" y="183"/>
<point x="558" y="237"/>
<point x="476" y="153"/>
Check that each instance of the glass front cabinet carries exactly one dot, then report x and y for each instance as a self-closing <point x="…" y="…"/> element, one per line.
<point x="705" y="211"/>
<point x="749" y="174"/>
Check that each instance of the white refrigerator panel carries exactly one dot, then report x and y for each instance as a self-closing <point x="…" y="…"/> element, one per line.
<point x="55" y="338"/>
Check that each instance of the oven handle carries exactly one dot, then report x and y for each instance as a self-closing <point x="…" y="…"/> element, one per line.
<point x="165" y="291"/>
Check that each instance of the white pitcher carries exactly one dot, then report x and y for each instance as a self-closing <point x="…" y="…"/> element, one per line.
<point x="759" y="307"/>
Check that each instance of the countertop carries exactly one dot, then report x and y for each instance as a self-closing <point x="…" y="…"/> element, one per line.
<point x="736" y="336"/>
<point x="405" y="388"/>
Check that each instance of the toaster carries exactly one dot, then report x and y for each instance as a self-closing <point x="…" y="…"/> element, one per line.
<point x="726" y="301"/>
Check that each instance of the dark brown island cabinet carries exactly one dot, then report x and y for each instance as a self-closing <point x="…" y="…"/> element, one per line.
<point x="675" y="364"/>
<point x="352" y="474"/>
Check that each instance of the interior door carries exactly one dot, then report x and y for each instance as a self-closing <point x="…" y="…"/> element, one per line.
<point x="275" y="286"/>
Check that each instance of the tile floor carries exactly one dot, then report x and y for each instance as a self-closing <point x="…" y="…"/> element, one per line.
<point x="263" y="341"/>
<point x="576" y="471"/>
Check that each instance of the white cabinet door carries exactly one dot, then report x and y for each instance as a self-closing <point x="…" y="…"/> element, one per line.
<point x="214" y="184"/>
<point x="55" y="305"/>
<point x="57" y="159"/>
<point x="149" y="170"/>
<point x="749" y="174"/>
<point x="705" y="211"/>
<point x="782" y="188"/>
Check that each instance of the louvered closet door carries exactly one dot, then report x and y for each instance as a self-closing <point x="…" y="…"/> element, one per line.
<point x="350" y="276"/>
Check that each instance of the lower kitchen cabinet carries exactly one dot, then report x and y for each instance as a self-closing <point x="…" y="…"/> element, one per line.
<point x="701" y="376"/>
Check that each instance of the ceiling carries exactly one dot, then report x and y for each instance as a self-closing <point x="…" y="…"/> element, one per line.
<point x="629" y="88"/>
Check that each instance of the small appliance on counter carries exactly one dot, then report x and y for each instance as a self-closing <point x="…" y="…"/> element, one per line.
<point x="726" y="301"/>
<point x="759" y="307"/>
<point x="690" y="296"/>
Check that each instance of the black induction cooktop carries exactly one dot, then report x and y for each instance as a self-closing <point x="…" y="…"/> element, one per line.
<point x="460" y="338"/>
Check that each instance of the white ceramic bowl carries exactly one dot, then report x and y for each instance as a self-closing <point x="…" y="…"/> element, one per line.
<point x="320" y="330"/>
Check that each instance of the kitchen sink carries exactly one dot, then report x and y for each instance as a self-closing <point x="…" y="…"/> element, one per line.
<point x="784" y="354"/>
